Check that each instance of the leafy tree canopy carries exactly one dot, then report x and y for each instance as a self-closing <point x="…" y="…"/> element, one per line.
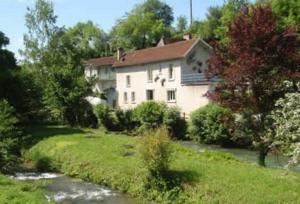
<point x="143" y="26"/>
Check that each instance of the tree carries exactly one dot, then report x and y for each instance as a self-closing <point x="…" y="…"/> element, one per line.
<point x="229" y="12"/>
<point x="143" y="26"/>
<point x="206" y="29"/>
<point x="161" y="10"/>
<point x="41" y="24"/>
<point x="181" y="25"/>
<point x="67" y="87"/>
<point x="138" y="31"/>
<point x="90" y="39"/>
<point x="252" y="67"/>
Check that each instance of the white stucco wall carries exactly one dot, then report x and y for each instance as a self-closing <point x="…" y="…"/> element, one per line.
<point x="188" y="98"/>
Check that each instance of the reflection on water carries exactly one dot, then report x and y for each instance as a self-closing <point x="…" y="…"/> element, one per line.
<point x="272" y="161"/>
<point x="65" y="190"/>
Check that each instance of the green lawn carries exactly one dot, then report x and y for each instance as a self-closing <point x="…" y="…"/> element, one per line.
<point x="17" y="192"/>
<point x="208" y="177"/>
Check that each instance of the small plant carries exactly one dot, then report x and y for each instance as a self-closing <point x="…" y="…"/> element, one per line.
<point x="208" y="125"/>
<point x="156" y="152"/>
<point x="175" y="124"/>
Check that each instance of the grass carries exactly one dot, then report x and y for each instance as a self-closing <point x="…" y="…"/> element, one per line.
<point x="208" y="177"/>
<point x="17" y="192"/>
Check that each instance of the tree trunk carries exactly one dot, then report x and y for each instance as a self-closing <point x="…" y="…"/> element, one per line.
<point x="262" y="156"/>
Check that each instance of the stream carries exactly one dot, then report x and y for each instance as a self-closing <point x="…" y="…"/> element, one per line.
<point x="272" y="161"/>
<point x="66" y="190"/>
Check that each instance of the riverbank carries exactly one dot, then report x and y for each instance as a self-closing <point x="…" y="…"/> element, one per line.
<point x="16" y="192"/>
<point x="208" y="177"/>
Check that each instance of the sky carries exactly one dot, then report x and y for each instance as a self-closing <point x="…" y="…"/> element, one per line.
<point x="102" y="12"/>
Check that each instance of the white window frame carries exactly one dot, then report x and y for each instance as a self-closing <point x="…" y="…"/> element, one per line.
<point x="171" y="100"/>
<point x="171" y="67"/>
<point x="128" y="81"/>
<point x="125" y="97"/>
<point x="149" y="74"/>
<point x="133" y="97"/>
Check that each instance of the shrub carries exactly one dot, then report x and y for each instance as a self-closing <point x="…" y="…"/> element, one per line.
<point x="126" y="119"/>
<point x="150" y="114"/>
<point x="106" y="117"/>
<point x="156" y="152"/>
<point x="175" y="124"/>
<point x="208" y="125"/>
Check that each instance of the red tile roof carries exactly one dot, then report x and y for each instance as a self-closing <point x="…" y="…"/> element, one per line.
<point x="102" y="61"/>
<point x="156" y="54"/>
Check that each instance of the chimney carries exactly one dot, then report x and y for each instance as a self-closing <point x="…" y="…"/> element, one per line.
<point x="162" y="42"/>
<point x="187" y="36"/>
<point x="120" y="53"/>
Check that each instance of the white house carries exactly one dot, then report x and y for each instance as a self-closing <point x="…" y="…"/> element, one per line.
<point x="172" y="73"/>
<point x="104" y="72"/>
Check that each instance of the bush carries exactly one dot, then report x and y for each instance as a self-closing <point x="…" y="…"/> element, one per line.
<point x="150" y="114"/>
<point x="106" y="117"/>
<point x="126" y="119"/>
<point x="175" y="124"/>
<point x="208" y="125"/>
<point x="156" y="152"/>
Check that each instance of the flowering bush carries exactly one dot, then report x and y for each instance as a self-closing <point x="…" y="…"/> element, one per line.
<point x="286" y="118"/>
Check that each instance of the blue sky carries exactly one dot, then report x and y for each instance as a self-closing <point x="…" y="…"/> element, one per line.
<point x="69" y="12"/>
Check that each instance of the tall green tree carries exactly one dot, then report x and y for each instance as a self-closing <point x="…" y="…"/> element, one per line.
<point x="206" y="29"/>
<point x="161" y="10"/>
<point x="137" y="31"/>
<point x="67" y="87"/>
<point x="41" y="24"/>
<point x="89" y="39"/>
<point x="181" y="26"/>
<point x="143" y="26"/>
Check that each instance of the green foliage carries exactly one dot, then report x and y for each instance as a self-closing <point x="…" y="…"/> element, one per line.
<point x="107" y="117"/>
<point x="160" y="9"/>
<point x="89" y="39"/>
<point x="175" y="123"/>
<point x="9" y="136"/>
<point x="150" y="114"/>
<point x="156" y="152"/>
<point x="208" y="124"/>
<point x="138" y="31"/>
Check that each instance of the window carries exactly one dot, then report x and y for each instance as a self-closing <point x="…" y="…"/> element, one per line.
<point x="128" y="82"/>
<point x="171" y="72"/>
<point x="171" y="96"/>
<point x="125" y="97"/>
<point x="132" y="97"/>
<point x="149" y="95"/>
<point x="106" y="70"/>
<point x="149" y="74"/>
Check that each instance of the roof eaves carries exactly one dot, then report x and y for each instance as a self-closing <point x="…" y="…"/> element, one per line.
<point x="143" y="63"/>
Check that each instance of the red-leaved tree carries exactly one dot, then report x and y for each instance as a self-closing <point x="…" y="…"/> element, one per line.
<point x="252" y="68"/>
